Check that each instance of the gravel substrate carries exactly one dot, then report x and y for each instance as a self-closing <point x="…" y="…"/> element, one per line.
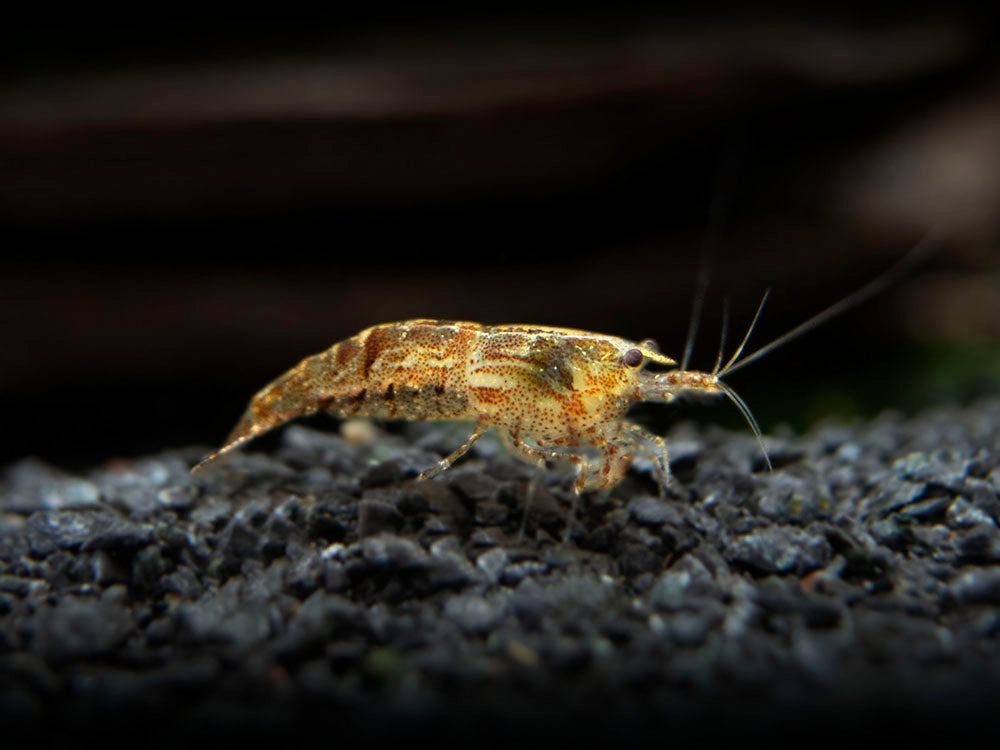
<point x="319" y="585"/>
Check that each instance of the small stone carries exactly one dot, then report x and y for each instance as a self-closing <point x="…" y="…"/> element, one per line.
<point x="787" y="496"/>
<point x="358" y="431"/>
<point x="891" y="533"/>
<point x="473" y="485"/>
<point x="895" y="494"/>
<point x="239" y="541"/>
<point x="264" y="583"/>
<point x="19" y="586"/>
<point x="446" y="545"/>
<point x="327" y="528"/>
<point x="6" y="607"/>
<point x="962" y="514"/>
<point x="489" y="513"/>
<point x="778" y="550"/>
<point x="993" y="480"/>
<point x="486" y="538"/>
<point x="178" y="498"/>
<point x="375" y="517"/>
<point x="107" y="570"/>
<point x="492" y="563"/>
<point x="517" y="572"/>
<point x="643" y="582"/>
<point x="135" y="486"/>
<point x="984" y="497"/>
<point x="849" y="453"/>
<point x="48" y="531"/>
<point x="319" y="615"/>
<point x="636" y="559"/>
<point x="160" y="631"/>
<point x="214" y="513"/>
<point x="335" y="576"/>
<point x="690" y="628"/>
<point x="437" y="497"/>
<point x="111" y="531"/>
<point x="937" y="537"/>
<point x="979" y="544"/>
<point x="255" y="512"/>
<point x="602" y="539"/>
<point x="474" y="614"/>
<point x="220" y="618"/>
<point x="927" y="511"/>
<point x="449" y="568"/>
<point x="81" y="628"/>
<point x="303" y="576"/>
<point x="32" y="485"/>
<point x="183" y="582"/>
<point x="389" y="551"/>
<point x="685" y="579"/>
<point x="436" y="527"/>
<point x="945" y="468"/>
<point x="278" y="529"/>
<point x="382" y="474"/>
<point x="292" y="507"/>
<point x="652" y="511"/>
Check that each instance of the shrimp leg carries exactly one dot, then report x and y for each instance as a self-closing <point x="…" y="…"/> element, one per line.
<point x="641" y="438"/>
<point x="456" y="454"/>
<point x="540" y="456"/>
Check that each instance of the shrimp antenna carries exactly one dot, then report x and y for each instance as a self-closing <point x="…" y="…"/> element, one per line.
<point x="745" y="411"/>
<point x="722" y="337"/>
<point x="697" y="304"/>
<point x="721" y="199"/>
<point x="736" y="354"/>
<point x="931" y="242"/>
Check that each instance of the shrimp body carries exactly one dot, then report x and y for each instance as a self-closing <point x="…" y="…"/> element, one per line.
<point x="551" y="393"/>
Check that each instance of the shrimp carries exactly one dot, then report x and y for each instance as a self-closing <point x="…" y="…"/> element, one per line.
<point x="550" y="393"/>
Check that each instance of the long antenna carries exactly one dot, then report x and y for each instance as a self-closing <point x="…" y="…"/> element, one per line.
<point x="930" y="243"/>
<point x="698" y="303"/>
<point x="745" y="411"/>
<point x="718" y="210"/>
<point x="756" y="315"/>
<point x="722" y="336"/>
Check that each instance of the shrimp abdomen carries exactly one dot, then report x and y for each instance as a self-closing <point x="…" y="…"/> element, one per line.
<point x="410" y="370"/>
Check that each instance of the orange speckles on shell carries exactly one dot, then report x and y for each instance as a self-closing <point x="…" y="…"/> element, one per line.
<point x="346" y="351"/>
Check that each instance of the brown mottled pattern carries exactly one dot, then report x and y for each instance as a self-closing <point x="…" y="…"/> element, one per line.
<point x="409" y="371"/>
<point x="548" y="382"/>
<point x="375" y="344"/>
<point x="345" y="351"/>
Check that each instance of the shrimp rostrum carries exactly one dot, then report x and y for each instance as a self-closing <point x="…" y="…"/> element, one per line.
<point x="551" y="393"/>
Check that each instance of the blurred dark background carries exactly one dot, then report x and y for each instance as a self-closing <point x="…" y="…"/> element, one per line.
<point x="187" y="210"/>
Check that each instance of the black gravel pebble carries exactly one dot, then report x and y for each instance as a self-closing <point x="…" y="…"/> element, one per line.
<point x="375" y="516"/>
<point x="79" y="628"/>
<point x="857" y="583"/>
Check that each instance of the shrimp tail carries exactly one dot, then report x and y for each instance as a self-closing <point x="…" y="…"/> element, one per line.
<point x="316" y="383"/>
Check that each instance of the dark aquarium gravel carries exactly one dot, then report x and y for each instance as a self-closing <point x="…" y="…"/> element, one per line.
<point x="321" y="587"/>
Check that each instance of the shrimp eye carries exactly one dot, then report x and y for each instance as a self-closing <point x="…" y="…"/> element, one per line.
<point x="650" y="344"/>
<point x="633" y="358"/>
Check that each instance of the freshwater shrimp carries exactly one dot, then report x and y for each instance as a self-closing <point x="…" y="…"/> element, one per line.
<point x="550" y="393"/>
